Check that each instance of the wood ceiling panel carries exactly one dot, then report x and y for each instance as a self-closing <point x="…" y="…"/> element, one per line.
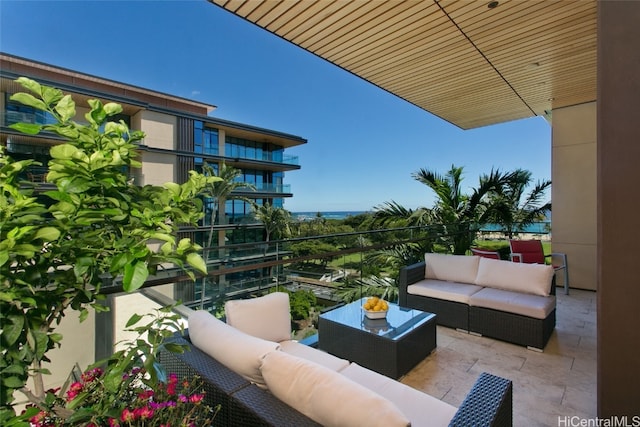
<point x="458" y="59"/>
<point x="385" y="29"/>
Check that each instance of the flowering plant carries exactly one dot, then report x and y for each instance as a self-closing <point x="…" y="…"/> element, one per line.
<point x="130" y="388"/>
<point x="88" y="402"/>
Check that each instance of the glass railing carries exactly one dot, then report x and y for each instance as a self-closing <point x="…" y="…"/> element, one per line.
<point x="321" y="264"/>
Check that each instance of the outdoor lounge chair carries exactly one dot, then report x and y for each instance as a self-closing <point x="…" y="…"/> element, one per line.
<point x="531" y="252"/>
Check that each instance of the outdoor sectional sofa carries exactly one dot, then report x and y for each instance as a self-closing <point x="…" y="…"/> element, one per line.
<point x="260" y="377"/>
<point x="505" y="300"/>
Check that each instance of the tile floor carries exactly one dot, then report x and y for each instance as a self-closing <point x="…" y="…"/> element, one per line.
<point x="548" y="386"/>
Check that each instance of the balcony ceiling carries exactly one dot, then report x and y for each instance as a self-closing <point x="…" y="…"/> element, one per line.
<point x="468" y="63"/>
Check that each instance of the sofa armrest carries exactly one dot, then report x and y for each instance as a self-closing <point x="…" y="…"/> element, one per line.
<point x="409" y="275"/>
<point x="489" y="403"/>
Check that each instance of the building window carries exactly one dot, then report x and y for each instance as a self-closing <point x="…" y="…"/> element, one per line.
<point x="19" y="113"/>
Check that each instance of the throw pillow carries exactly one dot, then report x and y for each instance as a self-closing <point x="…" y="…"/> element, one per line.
<point x="267" y="317"/>
<point x="452" y="268"/>
<point x="533" y="279"/>
<point x="238" y="351"/>
<point x="326" y="396"/>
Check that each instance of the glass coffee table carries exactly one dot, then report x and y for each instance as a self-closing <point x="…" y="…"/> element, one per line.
<point x="391" y="346"/>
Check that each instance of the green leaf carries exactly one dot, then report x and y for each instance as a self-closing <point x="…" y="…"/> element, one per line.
<point x="133" y="320"/>
<point x="66" y="108"/>
<point x="111" y="108"/>
<point x="63" y="151"/>
<point x="164" y="237"/>
<point x="195" y="260"/>
<point x="13" y="369"/>
<point x="78" y="400"/>
<point x="173" y="187"/>
<point x="51" y="95"/>
<point x="12" y="382"/>
<point x="175" y="348"/>
<point x="47" y="234"/>
<point x="183" y="245"/>
<point x="32" y="85"/>
<point x="30" y="100"/>
<point x="134" y="276"/>
<point x="13" y="329"/>
<point x="28" y="128"/>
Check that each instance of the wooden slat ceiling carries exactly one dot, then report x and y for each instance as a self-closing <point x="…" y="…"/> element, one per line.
<point x="461" y="60"/>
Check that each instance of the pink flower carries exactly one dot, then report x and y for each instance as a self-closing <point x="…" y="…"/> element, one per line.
<point x="145" y="394"/>
<point x="127" y="416"/>
<point x="74" y="389"/>
<point x="91" y="375"/>
<point x="196" y="398"/>
<point x="113" y="422"/>
<point x="144" y="413"/>
<point x="173" y="382"/>
<point x="38" y="418"/>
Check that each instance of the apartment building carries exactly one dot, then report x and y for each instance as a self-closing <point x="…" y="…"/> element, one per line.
<point x="180" y="136"/>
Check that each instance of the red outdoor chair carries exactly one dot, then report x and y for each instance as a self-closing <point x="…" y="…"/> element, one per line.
<point x="531" y="252"/>
<point x="485" y="254"/>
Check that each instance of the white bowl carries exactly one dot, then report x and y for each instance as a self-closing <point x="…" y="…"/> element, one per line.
<point x="375" y="314"/>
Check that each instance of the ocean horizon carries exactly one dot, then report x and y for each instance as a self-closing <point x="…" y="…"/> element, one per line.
<point x="304" y="216"/>
<point x="535" y="228"/>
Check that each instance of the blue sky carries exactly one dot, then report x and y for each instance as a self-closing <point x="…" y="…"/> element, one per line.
<point x="363" y="143"/>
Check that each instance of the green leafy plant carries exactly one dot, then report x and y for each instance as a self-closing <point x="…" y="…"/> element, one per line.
<point x="59" y="248"/>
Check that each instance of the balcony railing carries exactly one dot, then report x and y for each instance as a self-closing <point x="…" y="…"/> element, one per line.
<point x="236" y="271"/>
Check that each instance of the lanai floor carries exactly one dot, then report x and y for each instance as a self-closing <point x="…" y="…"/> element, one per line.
<point x="548" y="387"/>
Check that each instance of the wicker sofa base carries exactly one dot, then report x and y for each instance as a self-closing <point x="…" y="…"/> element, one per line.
<point x="522" y="330"/>
<point x="488" y="403"/>
<point x="449" y="313"/>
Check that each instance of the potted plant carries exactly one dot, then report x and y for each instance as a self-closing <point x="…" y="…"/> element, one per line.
<point x="57" y="249"/>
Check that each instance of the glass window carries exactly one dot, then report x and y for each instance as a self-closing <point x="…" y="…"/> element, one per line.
<point x="197" y="136"/>
<point x="210" y="141"/>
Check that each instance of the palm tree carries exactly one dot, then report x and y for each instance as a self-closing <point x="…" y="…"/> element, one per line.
<point x="221" y="191"/>
<point x="458" y="214"/>
<point x="276" y="220"/>
<point x="514" y="214"/>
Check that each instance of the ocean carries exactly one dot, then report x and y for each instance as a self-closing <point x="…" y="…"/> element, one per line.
<point x="306" y="216"/>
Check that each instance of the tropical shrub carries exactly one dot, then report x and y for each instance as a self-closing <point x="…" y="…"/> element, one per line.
<point x="94" y="227"/>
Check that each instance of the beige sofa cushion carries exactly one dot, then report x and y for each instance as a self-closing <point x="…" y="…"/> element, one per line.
<point x="452" y="268"/>
<point x="325" y="359"/>
<point x="267" y="317"/>
<point x="326" y="396"/>
<point x="422" y="409"/>
<point x="450" y="291"/>
<point x="524" y="304"/>
<point x="240" y="352"/>
<point x="514" y="276"/>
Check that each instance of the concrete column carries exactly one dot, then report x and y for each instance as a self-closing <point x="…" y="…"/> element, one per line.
<point x="574" y="195"/>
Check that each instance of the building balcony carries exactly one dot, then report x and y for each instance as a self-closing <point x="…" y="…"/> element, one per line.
<point x="549" y="388"/>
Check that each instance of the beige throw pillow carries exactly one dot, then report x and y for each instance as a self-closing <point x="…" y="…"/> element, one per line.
<point x="452" y="268"/>
<point x="236" y="350"/>
<point x="326" y="396"/>
<point x="514" y="276"/>
<point x="267" y="317"/>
